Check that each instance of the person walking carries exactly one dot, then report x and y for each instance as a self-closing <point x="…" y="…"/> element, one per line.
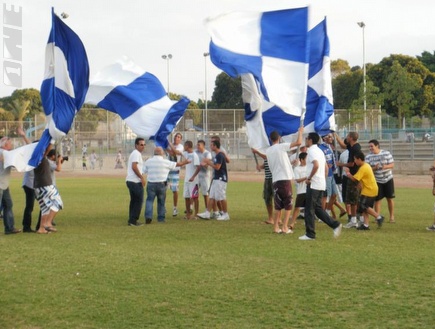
<point x="135" y="182"/>
<point x="316" y="185"/>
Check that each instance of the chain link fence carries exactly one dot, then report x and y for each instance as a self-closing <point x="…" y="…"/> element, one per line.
<point x="109" y="137"/>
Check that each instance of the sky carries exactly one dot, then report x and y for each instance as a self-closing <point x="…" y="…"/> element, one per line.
<point x="144" y="30"/>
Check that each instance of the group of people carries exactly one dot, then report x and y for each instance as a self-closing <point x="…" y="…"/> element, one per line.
<point x="206" y="174"/>
<point x="320" y="172"/>
<point x="38" y="184"/>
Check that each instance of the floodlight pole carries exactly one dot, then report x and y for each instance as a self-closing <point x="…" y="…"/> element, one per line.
<point x="362" y="25"/>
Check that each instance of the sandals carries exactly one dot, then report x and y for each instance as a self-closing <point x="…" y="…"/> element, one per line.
<point x="50" y="229"/>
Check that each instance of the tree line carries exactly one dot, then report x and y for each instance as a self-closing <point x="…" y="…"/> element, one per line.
<point x="403" y="86"/>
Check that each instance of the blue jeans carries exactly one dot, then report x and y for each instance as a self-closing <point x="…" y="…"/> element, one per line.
<point x="136" y="201"/>
<point x="156" y="190"/>
<point x="8" y="215"/>
<point x="313" y="205"/>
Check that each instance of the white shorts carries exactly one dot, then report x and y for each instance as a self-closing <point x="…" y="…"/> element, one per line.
<point x="190" y="190"/>
<point x="218" y="190"/>
<point x="204" y="184"/>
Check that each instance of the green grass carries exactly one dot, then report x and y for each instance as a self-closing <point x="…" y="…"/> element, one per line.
<point x="97" y="272"/>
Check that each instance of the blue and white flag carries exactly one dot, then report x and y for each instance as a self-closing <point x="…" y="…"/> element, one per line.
<point x="272" y="46"/>
<point x="319" y="115"/>
<point x="139" y="98"/>
<point x="270" y="52"/>
<point x="63" y="90"/>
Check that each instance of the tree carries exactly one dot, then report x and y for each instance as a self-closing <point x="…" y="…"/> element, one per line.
<point x="19" y="96"/>
<point x="227" y="93"/>
<point x="428" y="60"/>
<point x="345" y="88"/>
<point x="6" y="115"/>
<point x="339" y="67"/>
<point x="399" y="89"/>
<point x="19" y="108"/>
<point x="416" y="71"/>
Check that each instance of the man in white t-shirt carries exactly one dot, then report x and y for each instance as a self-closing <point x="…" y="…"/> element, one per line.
<point x="282" y="174"/>
<point x="191" y="192"/>
<point x="316" y="185"/>
<point x="204" y="176"/>
<point x="135" y="182"/>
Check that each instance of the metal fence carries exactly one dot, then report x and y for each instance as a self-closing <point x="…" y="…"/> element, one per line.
<point x="112" y="135"/>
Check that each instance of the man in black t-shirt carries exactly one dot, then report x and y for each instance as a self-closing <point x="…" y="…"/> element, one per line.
<point x="352" y="191"/>
<point x="46" y="193"/>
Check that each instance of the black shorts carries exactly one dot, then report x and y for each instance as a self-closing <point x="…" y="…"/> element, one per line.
<point x="386" y="190"/>
<point x="282" y="195"/>
<point x="365" y="202"/>
<point x="352" y="192"/>
<point x="300" y="200"/>
<point x="268" y="191"/>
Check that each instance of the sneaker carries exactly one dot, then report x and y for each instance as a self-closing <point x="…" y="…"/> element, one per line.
<point x="431" y="228"/>
<point x="224" y="216"/>
<point x="363" y="228"/>
<point x="350" y="225"/>
<point x="175" y="212"/>
<point x="337" y="231"/>
<point x="221" y="213"/>
<point x="14" y="231"/>
<point x="379" y="221"/>
<point x="214" y="215"/>
<point x="204" y="215"/>
<point x="305" y="238"/>
<point x="135" y="224"/>
<point x="148" y="221"/>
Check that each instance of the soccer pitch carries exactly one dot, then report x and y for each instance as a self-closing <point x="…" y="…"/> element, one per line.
<point x="97" y="272"/>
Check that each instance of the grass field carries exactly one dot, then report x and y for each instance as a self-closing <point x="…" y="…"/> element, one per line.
<point x="97" y="272"/>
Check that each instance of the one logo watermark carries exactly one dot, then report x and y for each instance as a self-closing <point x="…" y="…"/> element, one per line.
<point x="12" y="46"/>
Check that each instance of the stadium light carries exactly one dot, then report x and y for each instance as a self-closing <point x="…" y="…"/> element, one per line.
<point x="362" y="26"/>
<point x="205" y="92"/>
<point x="167" y="58"/>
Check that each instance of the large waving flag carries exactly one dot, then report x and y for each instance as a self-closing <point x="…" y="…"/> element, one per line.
<point x="270" y="52"/>
<point x="320" y="110"/>
<point x="139" y="98"/>
<point x="63" y="90"/>
<point x="272" y="46"/>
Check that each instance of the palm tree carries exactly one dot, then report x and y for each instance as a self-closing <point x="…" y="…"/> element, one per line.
<point x="20" y="108"/>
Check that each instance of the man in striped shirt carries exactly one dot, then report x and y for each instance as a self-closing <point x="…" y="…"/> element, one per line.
<point x="267" y="186"/>
<point x="382" y="163"/>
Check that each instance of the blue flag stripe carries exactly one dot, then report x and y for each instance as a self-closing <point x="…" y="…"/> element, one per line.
<point x="284" y="34"/>
<point x="126" y="100"/>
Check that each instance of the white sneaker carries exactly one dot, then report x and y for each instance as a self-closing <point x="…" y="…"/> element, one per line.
<point x="204" y="215"/>
<point x="224" y="216"/>
<point x="214" y="215"/>
<point x="337" y="231"/>
<point x="350" y="225"/>
<point x="175" y="212"/>
<point x="305" y="238"/>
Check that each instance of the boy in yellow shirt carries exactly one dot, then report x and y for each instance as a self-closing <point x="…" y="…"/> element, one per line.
<point x="369" y="190"/>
